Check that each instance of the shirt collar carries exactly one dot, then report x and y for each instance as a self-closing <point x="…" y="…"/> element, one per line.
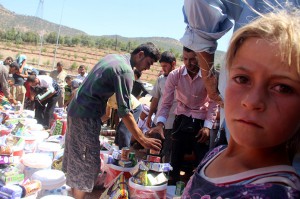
<point x="184" y="72"/>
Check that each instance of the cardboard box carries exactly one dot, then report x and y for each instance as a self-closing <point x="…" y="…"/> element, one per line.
<point x="13" y="179"/>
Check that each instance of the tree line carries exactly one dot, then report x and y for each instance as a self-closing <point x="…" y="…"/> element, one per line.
<point x="19" y="37"/>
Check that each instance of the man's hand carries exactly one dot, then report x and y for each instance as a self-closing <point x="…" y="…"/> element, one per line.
<point x="158" y="129"/>
<point x="150" y="143"/>
<point x="203" y="135"/>
<point x="12" y="101"/>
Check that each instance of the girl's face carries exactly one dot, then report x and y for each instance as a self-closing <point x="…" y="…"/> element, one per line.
<point x="262" y="99"/>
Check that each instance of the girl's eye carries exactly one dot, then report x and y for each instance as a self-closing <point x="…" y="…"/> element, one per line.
<point x="284" y="89"/>
<point x="241" y="79"/>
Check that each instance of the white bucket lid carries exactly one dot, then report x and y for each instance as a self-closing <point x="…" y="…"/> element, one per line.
<point x="40" y="135"/>
<point x="147" y="188"/>
<point x="35" y="127"/>
<point x="118" y="168"/>
<point x="49" y="146"/>
<point x="50" y="179"/>
<point x="29" y="121"/>
<point x="57" y="197"/>
<point x="36" y="160"/>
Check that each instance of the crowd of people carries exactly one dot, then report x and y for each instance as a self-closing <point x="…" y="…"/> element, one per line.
<point x="254" y="108"/>
<point x="35" y="90"/>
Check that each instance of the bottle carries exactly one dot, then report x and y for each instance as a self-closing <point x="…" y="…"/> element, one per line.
<point x="132" y="158"/>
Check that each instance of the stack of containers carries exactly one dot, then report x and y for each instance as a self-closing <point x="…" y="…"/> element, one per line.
<point x="117" y="161"/>
<point x="53" y="182"/>
<point x="23" y="141"/>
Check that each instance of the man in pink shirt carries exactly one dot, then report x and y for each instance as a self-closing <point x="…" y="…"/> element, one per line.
<point x="195" y="112"/>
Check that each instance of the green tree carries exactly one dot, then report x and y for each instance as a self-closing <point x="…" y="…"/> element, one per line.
<point x="18" y="38"/>
<point x="87" y="41"/>
<point x="30" y="37"/>
<point x="51" y="38"/>
<point x="75" y="41"/>
<point x="10" y="34"/>
<point x="68" y="41"/>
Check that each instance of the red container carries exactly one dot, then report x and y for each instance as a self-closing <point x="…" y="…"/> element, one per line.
<point x="64" y="127"/>
<point x="137" y="191"/>
<point x="113" y="171"/>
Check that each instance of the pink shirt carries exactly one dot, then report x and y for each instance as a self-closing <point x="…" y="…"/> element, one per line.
<point x="192" y="99"/>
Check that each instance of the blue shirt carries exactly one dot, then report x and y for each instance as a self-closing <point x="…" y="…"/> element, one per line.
<point x="209" y="20"/>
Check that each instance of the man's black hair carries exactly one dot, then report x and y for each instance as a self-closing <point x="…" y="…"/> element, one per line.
<point x="167" y="57"/>
<point x="14" y="65"/>
<point x="149" y="49"/>
<point x="31" y="78"/>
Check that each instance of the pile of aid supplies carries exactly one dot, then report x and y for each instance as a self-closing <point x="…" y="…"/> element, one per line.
<point x="127" y="177"/>
<point x="30" y="156"/>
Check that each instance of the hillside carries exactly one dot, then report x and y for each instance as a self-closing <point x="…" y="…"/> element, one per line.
<point x="24" y="23"/>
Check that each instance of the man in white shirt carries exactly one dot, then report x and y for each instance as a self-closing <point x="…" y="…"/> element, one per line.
<point x="81" y="73"/>
<point x="48" y="92"/>
<point x="59" y="76"/>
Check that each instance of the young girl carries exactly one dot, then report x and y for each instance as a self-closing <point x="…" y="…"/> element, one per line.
<point x="262" y="106"/>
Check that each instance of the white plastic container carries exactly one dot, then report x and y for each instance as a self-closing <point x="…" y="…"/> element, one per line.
<point x="50" y="178"/>
<point x="39" y="135"/>
<point x="34" y="162"/>
<point x="35" y="127"/>
<point x="48" y="148"/>
<point x="57" y="197"/>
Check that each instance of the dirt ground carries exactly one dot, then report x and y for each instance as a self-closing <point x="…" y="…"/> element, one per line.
<point x="71" y="56"/>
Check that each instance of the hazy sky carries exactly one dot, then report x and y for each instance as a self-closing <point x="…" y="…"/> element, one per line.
<point x="128" y="18"/>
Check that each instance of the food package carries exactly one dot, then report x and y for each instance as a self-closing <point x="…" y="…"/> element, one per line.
<point x="11" y="192"/>
<point x="118" y="190"/>
<point x="9" y="174"/>
<point x="155" y="179"/>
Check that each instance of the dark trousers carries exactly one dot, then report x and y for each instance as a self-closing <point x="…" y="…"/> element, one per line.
<point x="183" y="140"/>
<point x="44" y="111"/>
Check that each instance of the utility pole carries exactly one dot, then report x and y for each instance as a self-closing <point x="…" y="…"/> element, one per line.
<point x="58" y="34"/>
<point x="39" y="14"/>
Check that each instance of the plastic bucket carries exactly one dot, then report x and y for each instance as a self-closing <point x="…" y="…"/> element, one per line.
<point x="50" y="179"/>
<point x="103" y="159"/>
<point x="40" y="136"/>
<point x="137" y="191"/>
<point x="61" y="191"/>
<point x="57" y="197"/>
<point x="34" y="162"/>
<point x="113" y="171"/>
<point x="48" y="148"/>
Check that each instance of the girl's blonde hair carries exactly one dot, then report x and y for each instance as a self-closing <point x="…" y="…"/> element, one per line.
<point x="283" y="29"/>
